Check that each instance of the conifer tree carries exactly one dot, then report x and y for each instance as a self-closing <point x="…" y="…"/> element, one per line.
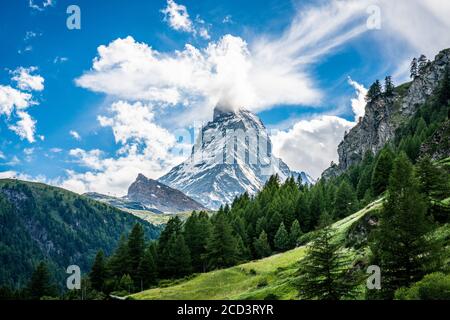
<point x="295" y="233"/>
<point x="382" y="171"/>
<point x="433" y="180"/>
<point x="345" y="202"/>
<point x="147" y="272"/>
<point x="303" y="213"/>
<point x="40" y="284"/>
<point x="414" y="69"/>
<point x="262" y="246"/>
<point x="422" y="63"/>
<point x="282" y="241"/>
<point x="399" y="244"/>
<point x="175" y="259"/>
<point x="388" y="87"/>
<point x="197" y="230"/>
<point x="118" y="264"/>
<point x="98" y="274"/>
<point x="324" y="272"/>
<point x="443" y="94"/>
<point x="136" y="247"/>
<point x="374" y="92"/>
<point x="222" y="247"/>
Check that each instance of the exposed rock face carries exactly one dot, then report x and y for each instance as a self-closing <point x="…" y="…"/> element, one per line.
<point x="155" y="195"/>
<point x="232" y="155"/>
<point x="382" y="117"/>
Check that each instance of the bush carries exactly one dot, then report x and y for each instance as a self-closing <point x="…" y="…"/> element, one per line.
<point x="434" y="286"/>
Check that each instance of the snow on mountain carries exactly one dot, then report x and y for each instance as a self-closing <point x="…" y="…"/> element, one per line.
<point x="232" y="155"/>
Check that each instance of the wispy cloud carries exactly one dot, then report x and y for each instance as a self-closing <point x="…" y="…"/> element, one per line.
<point x="41" y="5"/>
<point x="75" y="135"/>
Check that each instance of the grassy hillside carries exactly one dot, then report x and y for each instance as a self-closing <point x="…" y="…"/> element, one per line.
<point x="41" y="222"/>
<point x="158" y="218"/>
<point x="253" y="280"/>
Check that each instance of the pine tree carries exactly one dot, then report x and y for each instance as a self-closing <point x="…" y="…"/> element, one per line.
<point x="175" y="258"/>
<point x="414" y="69"/>
<point x="374" y="92"/>
<point x="40" y="284"/>
<point x="443" y="94"/>
<point x="136" y="247"/>
<point x="126" y="283"/>
<point x="262" y="246"/>
<point x="147" y="272"/>
<point x="302" y="212"/>
<point x="197" y="230"/>
<point x="98" y="273"/>
<point x="388" y="87"/>
<point x="422" y="64"/>
<point x="433" y="179"/>
<point x="382" y="171"/>
<point x="222" y="247"/>
<point x="282" y="241"/>
<point x="399" y="244"/>
<point x="118" y="264"/>
<point x="324" y="273"/>
<point x="345" y="202"/>
<point x="295" y="233"/>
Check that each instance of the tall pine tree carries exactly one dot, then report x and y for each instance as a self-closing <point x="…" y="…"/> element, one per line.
<point x="399" y="244"/>
<point x="382" y="171"/>
<point x="324" y="272"/>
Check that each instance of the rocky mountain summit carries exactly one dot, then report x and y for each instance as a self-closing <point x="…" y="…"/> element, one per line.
<point x="155" y="195"/>
<point x="383" y="116"/>
<point x="232" y="155"/>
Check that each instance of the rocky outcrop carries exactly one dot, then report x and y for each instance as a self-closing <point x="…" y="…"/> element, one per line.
<point x="156" y="195"/>
<point x="383" y="116"/>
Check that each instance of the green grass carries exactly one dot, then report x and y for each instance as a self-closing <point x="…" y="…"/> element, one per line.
<point x="253" y="280"/>
<point x="158" y="218"/>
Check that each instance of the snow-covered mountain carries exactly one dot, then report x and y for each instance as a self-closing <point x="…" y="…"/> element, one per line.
<point x="232" y="155"/>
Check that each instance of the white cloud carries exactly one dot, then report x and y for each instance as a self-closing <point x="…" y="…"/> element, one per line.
<point x="40" y="5"/>
<point x="56" y="150"/>
<point x="14" y="102"/>
<point x="25" y="128"/>
<point x="178" y="17"/>
<point x="310" y="145"/>
<point x="11" y="99"/>
<point x="75" y="135"/>
<point x="26" y="81"/>
<point x="224" y="73"/>
<point x="60" y="59"/>
<point x="2" y="156"/>
<point x="358" y="103"/>
<point x="145" y="148"/>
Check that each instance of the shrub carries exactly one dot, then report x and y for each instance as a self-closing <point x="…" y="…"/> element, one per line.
<point x="434" y="286"/>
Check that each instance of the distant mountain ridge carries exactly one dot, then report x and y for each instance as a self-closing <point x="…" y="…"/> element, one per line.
<point x="232" y="155"/>
<point x="155" y="195"/>
<point x="40" y="222"/>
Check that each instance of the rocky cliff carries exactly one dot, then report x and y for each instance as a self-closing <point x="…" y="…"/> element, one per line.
<point x="154" y="195"/>
<point x="383" y="116"/>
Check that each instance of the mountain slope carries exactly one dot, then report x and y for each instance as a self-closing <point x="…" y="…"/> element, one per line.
<point x="156" y="195"/>
<point x="232" y="155"/>
<point x="40" y="222"/>
<point x="253" y="280"/>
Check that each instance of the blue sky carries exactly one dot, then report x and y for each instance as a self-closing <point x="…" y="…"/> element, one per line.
<point x="92" y="126"/>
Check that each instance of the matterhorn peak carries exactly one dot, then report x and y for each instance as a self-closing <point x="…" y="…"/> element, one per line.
<point x="232" y="155"/>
